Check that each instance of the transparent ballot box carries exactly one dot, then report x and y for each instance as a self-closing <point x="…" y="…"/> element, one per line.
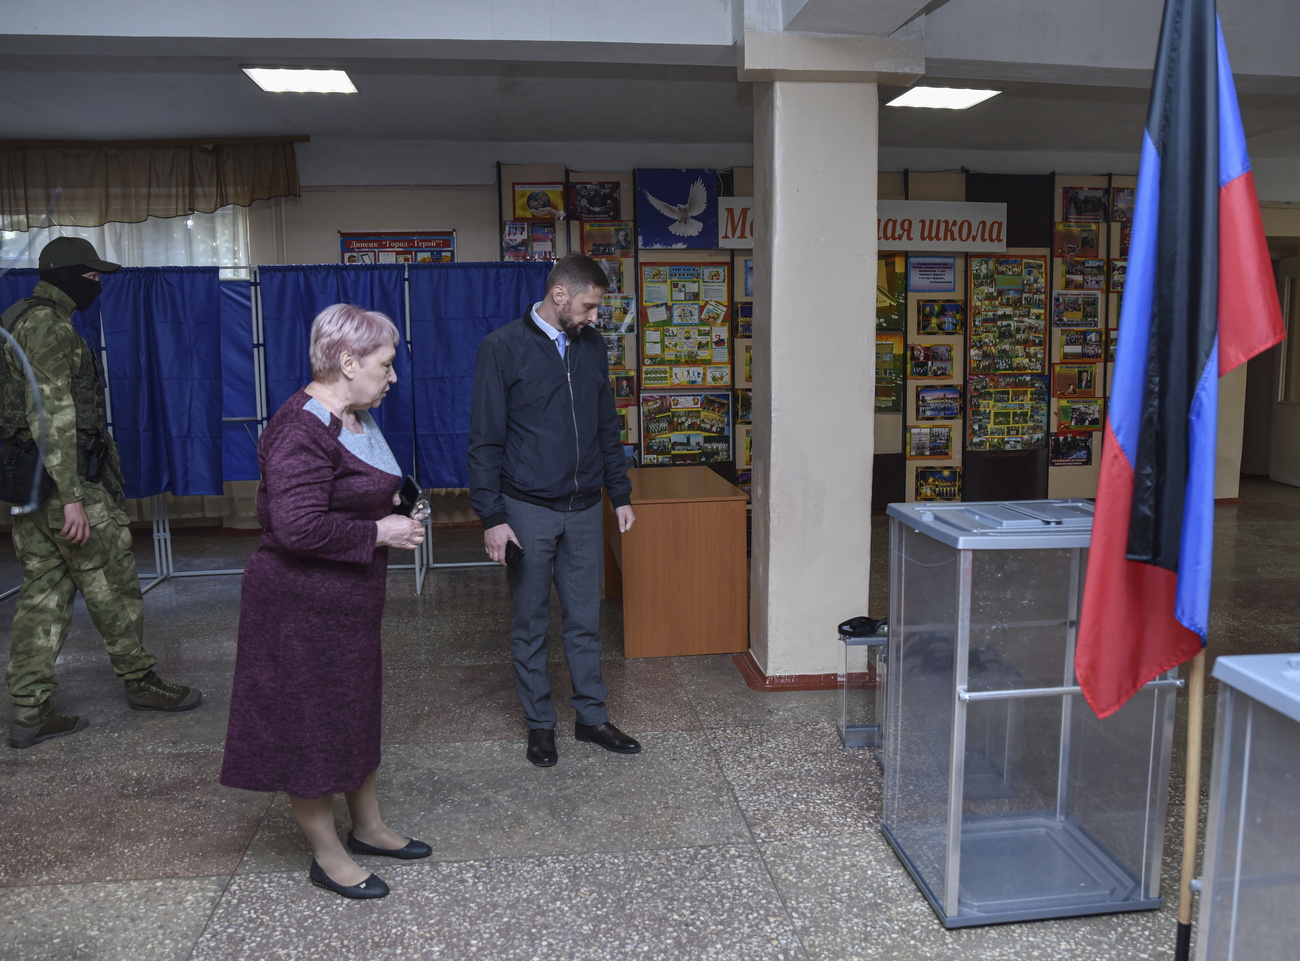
<point x="1251" y="875"/>
<point x="862" y="690"/>
<point x="1005" y="797"/>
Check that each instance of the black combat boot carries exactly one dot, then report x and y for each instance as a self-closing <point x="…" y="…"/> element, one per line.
<point x="34" y="724"/>
<point x="152" y="693"/>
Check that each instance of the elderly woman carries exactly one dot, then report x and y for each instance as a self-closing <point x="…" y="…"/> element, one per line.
<point x="306" y="707"/>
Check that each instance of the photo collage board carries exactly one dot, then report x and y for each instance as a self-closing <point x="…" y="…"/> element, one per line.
<point x="686" y="428"/>
<point x="685" y="322"/>
<point x="1007" y="392"/>
<point x="1090" y="262"/>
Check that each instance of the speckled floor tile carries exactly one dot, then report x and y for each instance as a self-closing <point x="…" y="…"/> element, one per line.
<point x="798" y="781"/>
<point x="722" y="699"/>
<point x="479" y="702"/>
<point x="705" y="904"/>
<point x="121" y="818"/>
<point x="116" y="729"/>
<point x="484" y="800"/>
<point x="852" y="900"/>
<point x="156" y="920"/>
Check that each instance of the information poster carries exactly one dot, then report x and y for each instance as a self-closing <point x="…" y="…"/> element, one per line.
<point x="397" y="247"/>
<point x="1007" y="412"/>
<point x="685" y="428"/>
<point x="1008" y="328"/>
<point x="685" y="325"/>
<point x="932" y="275"/>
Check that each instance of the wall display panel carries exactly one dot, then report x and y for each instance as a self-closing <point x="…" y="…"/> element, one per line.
<point x="595" y="200"/>
<point x="891" y="361"/>
<point x="940" y="317"/>
<point x="937" y="484"/>
<point x="685" y="325"/>
<point x="891" y="291"/>
<point x="930" y="361"/>
<point x="607" y="238"/>
<point x="677" y="208"/>
<point x="1008" y="331"/>
<point x="1076" y="240"/>
<point x="929" y="442"/>
<point x="685" y="428"/>
<point x="1071" y="450"/>
<point x="1079" y="415"/>
<point x="1074" y="380"/>
<point x="537" y="201"/>
<point x="397" y="246"/>
<point x="744" y="405"/>
<point x="1085" y="204"/>
<point x="1007" y="412"/>
<point x="939" y="402"/>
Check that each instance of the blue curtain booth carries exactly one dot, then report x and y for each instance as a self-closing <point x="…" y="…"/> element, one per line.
<point x="292" y="296"/>
<point x="453" y="307"/>
<point x="162" y="326"/>
<point x="238" y="383"/>
<point x="181" y="358"/>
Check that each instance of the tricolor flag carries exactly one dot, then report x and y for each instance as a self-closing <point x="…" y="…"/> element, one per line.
<point x="1199" y="299"/>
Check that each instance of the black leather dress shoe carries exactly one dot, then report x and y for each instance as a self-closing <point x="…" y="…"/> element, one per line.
<point x="607" y="736"/>
<point x="371" y="887"/>
<point x="414" y="849"/>
<point x="541" y="746"/>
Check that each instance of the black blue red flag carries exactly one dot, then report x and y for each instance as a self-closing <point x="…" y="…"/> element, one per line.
<point x="1199" y="299"/>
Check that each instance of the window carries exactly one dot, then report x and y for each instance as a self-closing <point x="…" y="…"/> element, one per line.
<point x="218" y="239"/>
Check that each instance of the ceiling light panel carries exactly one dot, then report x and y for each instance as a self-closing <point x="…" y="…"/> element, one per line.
<point x="300" y="80"/>
<point x="942" y="98"/>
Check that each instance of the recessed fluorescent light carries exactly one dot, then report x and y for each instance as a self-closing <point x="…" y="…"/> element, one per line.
<point x="300" y="80"/>
<point x="946" y="98"/>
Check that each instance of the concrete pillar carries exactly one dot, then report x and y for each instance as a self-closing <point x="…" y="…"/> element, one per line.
<point x="815" y="170"/>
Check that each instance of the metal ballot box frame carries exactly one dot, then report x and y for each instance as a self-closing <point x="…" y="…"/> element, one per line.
<point x="1251" y="874"/>
<point x="1006" y="798"/>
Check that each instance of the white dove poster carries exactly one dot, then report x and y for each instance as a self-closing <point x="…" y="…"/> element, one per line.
<point x="677" y="208"/>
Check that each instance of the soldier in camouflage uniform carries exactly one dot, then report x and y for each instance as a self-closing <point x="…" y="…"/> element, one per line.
<point x="77" y="538"/>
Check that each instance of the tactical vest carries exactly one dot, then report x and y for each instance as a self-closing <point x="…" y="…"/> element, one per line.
<point x="87" y="381"/>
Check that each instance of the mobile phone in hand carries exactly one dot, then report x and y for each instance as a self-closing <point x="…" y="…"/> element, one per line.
<point x="408" y="496"/>
<point x="514" y="554"/>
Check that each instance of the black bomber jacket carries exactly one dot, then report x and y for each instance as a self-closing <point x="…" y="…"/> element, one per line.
<point x="543" y="428"/>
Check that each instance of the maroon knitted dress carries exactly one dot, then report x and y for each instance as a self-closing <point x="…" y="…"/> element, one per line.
<point x="306" y="707"/>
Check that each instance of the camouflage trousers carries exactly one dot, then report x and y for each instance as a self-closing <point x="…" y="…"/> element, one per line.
<point x="54" y="570"/>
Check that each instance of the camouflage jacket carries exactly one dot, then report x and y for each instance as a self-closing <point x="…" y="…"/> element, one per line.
<point x="71" y="393"/>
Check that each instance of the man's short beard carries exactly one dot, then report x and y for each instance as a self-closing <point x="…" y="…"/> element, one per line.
<point x="568" y="324"/>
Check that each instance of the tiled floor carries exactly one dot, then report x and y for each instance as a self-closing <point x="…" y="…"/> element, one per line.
<point x="743" y="831"/>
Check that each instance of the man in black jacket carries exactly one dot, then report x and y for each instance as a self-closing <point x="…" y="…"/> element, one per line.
<point x="543" y="441"/>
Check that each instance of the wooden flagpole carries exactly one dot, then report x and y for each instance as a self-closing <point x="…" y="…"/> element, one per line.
<point x="1191" y="803"/>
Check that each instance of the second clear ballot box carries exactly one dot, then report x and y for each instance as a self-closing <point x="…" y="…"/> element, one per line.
<point x="1251" y="890"/>
<point x="1006" y="798"/>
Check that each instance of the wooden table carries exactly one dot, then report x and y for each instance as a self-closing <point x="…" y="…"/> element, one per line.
<point x="682" y="570"/>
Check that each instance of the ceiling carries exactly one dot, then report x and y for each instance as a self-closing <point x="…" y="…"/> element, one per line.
<point x="126" y="88"/>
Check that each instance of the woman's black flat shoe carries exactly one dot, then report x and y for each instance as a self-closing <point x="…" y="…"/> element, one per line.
<point x="371" y="887"/>
<point x="414" y="849"/>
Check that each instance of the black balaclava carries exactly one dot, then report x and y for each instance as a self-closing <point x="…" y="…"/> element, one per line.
<point x="82" y="290"/>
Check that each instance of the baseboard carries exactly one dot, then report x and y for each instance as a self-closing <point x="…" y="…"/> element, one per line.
<point x="772" y="683"/>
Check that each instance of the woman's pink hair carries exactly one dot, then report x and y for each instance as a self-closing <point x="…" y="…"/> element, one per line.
<point x="345" y="327"/>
